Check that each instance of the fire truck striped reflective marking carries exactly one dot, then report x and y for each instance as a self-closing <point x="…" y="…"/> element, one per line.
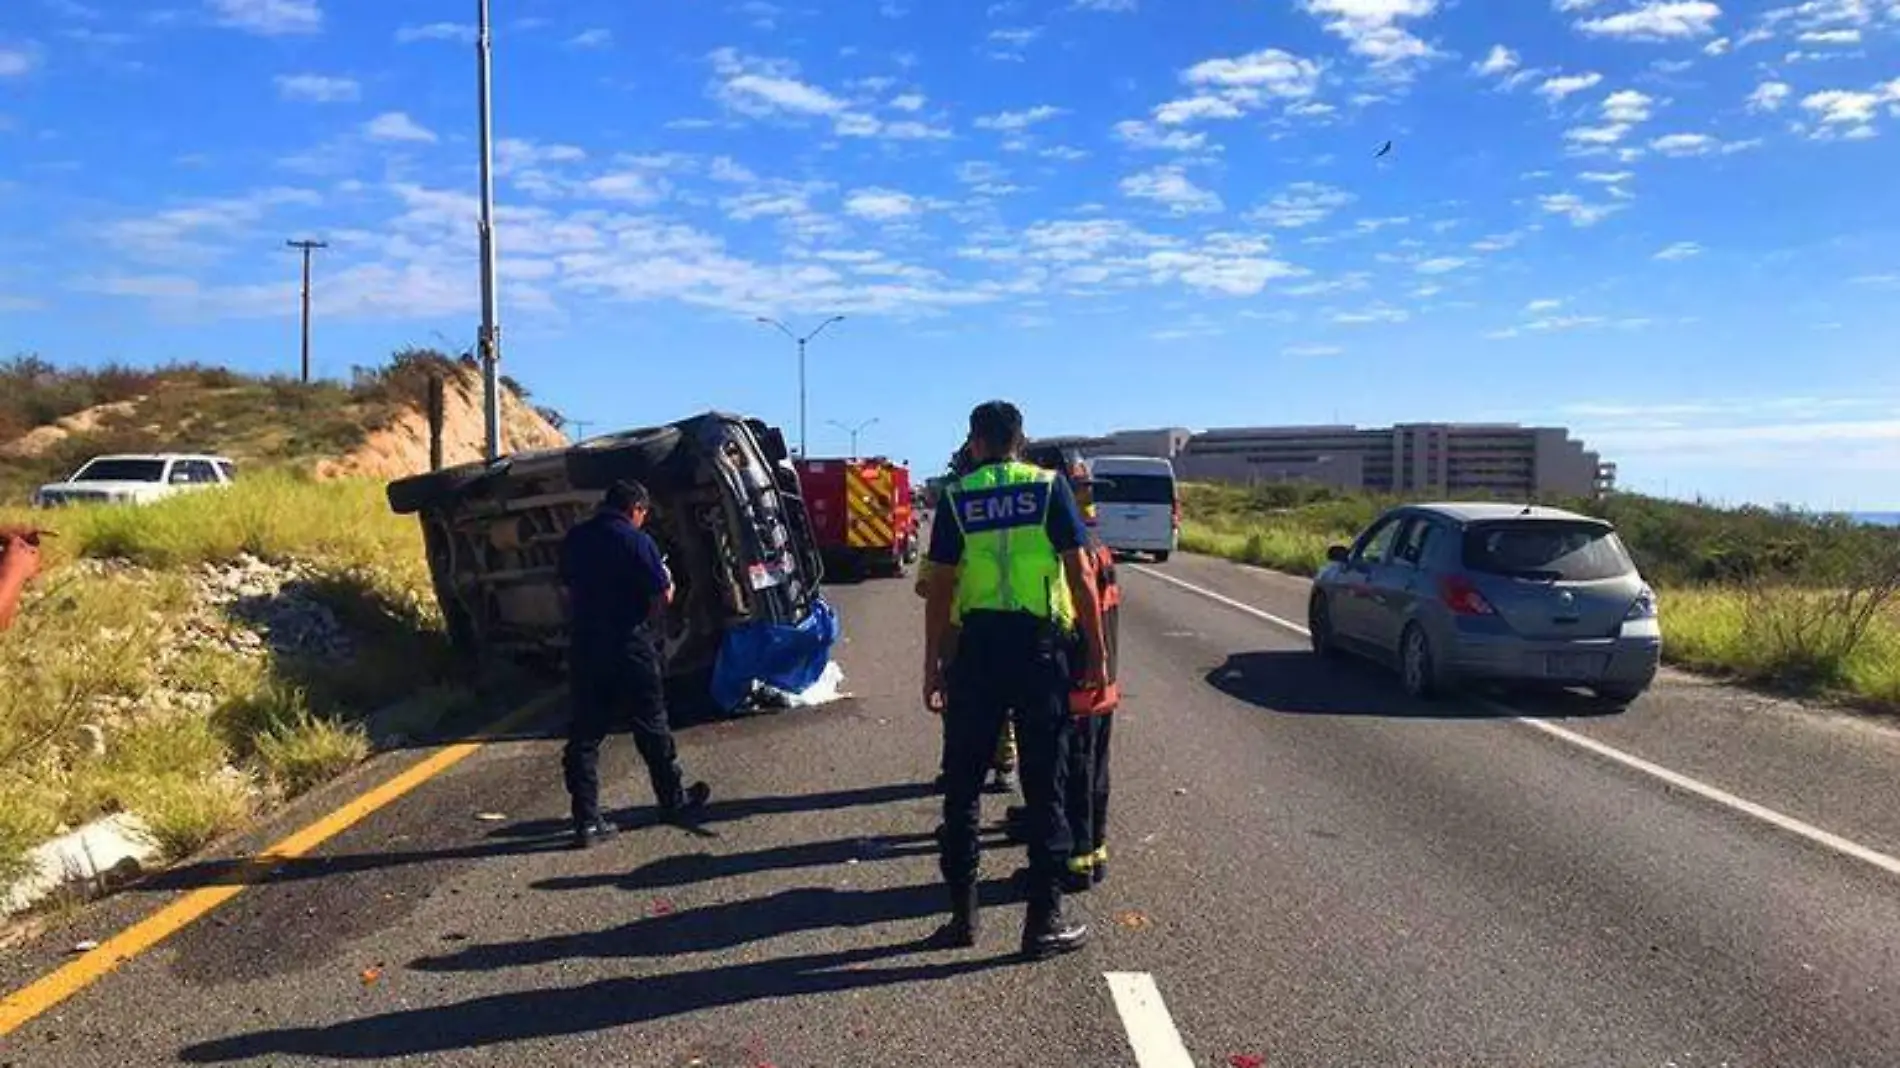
<point x="867" y="494"/>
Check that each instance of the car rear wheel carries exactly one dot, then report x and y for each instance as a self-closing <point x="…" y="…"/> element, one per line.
<point x="598" y="463"/>
<point x="408" y="496"/>
<point x="1319" y="627"/>
<point x="1418" y="670"/>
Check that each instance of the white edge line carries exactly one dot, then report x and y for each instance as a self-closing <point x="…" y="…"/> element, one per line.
<point x="1827" y="839"/>
<point x="1151" y="1031"/>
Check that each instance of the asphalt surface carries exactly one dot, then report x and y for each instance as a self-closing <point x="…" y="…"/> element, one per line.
<point x="1314" y="870"/>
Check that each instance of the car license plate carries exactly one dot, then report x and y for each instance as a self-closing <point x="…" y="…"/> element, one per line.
<point x="1574" y="665"/>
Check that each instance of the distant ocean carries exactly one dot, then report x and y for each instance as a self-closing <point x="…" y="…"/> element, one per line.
<point x="1884" y="519"/>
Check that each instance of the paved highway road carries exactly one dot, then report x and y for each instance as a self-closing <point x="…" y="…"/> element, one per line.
<point x="1308" y="869"/>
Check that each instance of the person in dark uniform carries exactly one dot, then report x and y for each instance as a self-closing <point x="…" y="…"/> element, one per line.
<point x="1007" y="557"/>
<point x="618" y="589"/>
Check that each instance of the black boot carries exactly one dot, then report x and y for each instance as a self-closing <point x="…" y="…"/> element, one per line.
<point x="1099" y="873"/>
<point x="590" y="832"/>
<point x="690" y="802"/>
<point x="1047" y="933"/>
<point x="961" y="931"/>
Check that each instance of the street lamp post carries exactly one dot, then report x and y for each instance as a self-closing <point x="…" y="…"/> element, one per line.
<point x="854" y="431"/>
<point x="490" y="339"/>
<point x="787" y="331"/>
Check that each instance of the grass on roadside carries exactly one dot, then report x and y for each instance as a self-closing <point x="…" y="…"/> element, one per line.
<point x="198" y="735"/>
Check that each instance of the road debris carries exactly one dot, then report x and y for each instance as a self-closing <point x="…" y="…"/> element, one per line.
<point x="85" y="946"/>
<point x="491" y="817"/>
<point x="660" y="906"/>
<point x="1133" y="920"/>
<point x="1246" y="1060"/>
<point x="371" y="975"/>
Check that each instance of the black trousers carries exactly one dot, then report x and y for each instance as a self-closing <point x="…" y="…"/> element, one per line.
<point x="1011" y="668"/>
<point x="624" y="686"/>
<point x="1086" y="793"/>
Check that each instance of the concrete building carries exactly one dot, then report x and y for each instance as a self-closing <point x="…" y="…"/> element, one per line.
<point x="1412" y="459"/>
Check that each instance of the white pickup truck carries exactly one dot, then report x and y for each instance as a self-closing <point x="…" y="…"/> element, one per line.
<point x="138" y="479"/>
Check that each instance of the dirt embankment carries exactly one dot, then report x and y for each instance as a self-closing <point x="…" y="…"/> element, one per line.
<point x="402" y="447"/>
<point x="37" y="441"/>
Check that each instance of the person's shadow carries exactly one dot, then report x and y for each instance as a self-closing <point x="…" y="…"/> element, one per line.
<point x="552" y="1012"/>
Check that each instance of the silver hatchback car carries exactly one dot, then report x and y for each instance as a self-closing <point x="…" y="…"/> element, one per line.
<point x="1449" y="593"/>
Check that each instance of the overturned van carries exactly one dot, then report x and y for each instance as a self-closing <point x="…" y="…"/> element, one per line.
<point x="726" y="512"/>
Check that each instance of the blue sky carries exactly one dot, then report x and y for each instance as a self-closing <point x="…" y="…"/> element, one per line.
<point x="1668" y="224"/>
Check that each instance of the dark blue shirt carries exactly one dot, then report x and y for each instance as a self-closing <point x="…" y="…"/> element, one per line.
<point x="1061" y="517"/>
<point x="614" y="576"/>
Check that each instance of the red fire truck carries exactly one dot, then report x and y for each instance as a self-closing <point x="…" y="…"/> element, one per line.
<point x="861" y="513"/>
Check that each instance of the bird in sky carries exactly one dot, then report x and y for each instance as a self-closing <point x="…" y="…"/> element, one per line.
<point x="1384" y="151"/>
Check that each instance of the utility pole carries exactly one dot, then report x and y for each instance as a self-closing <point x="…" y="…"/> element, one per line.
<point x="490" y="340"/>
<point x="580" y="428"/>
<point x="307" y="247"/>
<point x="854" y="431"/>
<point x="787" y="331"/>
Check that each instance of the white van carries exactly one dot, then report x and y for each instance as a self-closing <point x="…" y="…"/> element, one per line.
<point x="1137" y="506"/>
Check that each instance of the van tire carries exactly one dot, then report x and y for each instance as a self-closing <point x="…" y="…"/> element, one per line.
<point x="408" y="496"/>
<point x="598" y="463"/>
<point x="1162" y="557"/>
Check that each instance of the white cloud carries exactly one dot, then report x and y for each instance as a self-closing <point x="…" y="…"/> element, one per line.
<point x="762" y="88"/>
<point x="199" y="231"/>
<point x="1302" y="204"/>
<point x="1371" y="27"/>
<point x="908" y="102"/>
<point x="1170" y="187"/>
<point x="1547" y="304"/>
<point x="880" y="205"/>
<point x="1377" y="313"/>
<point x="1607" y="177"/>
<point x="1576" y="209"/>
<point x="1138" y="134"/>
<point x="1718" y="47"/>
<point x="437" y="31"/>
<point x="1499" y="62"/>
<point x="397" y="126"/>
<point x="1853" y="109"/>
<point x="1112" y="6"/>
<point x="1191" y="109"/>
<point x="18" y="62"/>
<point x="594" y="38"/>
<point x="1441" y="265"/>
<point x="1627" y="106"/>
<point x="909" y="130"/>
<point x="1681" y="250"/>
<point x="1009" y="43"/>
<point x="1769" y="96"/>
<point x="1555" y="89"/>
<point x="270" y="18"/>
<point x="727" y="169"/>
<point x="1657" y="20"/>
<point x="1831" y="37"/>
<point x="1299" y="352"/>
<point x="1496" y="243"/>
<point x="627" y="187"/>
<point x="318" y="89"/>
<point x="1597" y="135"/>
<point x="1019" y="120"/>
<point x="1685" y="144"/>
<point x="1269" y="71"/>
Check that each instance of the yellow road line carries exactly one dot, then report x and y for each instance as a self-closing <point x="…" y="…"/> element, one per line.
<point x="20" y="1007"/>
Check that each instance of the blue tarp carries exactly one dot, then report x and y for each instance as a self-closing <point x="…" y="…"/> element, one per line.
<point x="784" y="657"/>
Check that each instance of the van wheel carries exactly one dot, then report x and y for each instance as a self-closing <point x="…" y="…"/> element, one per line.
<point x="1162" y="557"/>
<point x="598" y="463"/>
<point x="408" y="496"/>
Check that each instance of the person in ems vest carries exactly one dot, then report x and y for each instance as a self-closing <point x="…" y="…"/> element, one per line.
<point x="1008" y="561"/>
<point x="1003" y="763"/>
<point x="1091" y="709"/>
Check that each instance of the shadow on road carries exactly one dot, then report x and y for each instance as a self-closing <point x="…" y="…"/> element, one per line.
<point x="560" y="1011"/>
<point x="690" y="868"/>
<point x="1296" y="682"/>
<point x="741" y="808"/>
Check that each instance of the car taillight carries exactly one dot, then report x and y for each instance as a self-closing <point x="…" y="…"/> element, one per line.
<point x="1463" y="598"/>
<point x="1645" y="606"/>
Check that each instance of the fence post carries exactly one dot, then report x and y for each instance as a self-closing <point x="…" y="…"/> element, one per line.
<point x="436" y="404"/>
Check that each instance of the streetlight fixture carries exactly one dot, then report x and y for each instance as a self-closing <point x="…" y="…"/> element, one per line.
<point x="854" y="431"/>
<point x="788" y="332"/>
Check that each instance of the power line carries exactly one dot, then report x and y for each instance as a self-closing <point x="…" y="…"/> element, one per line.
<point x="307" y="247"/>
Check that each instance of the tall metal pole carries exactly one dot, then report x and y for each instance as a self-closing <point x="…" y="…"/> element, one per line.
<point x="307" y="247"/>
<point x="854" y="431"/>
<point x="490" y="339"/>
<point x="787" y="331"/>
